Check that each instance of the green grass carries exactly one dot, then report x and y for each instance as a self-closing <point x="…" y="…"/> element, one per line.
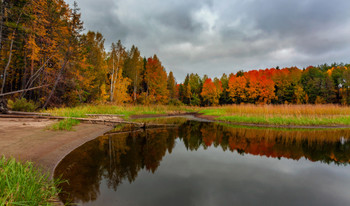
<point x="23" y="184"/>
<point x="66" y="124"/>
<point x="126" y="110"/>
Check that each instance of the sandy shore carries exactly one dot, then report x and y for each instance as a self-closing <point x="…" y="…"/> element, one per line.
<point x="29" y="140"/>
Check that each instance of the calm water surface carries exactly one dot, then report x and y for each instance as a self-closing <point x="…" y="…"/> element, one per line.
<point x="210" y="164"/>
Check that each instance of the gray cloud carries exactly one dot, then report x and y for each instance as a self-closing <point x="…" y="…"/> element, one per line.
<point x="214" y="37"/>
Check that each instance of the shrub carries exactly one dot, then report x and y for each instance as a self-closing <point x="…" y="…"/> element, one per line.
<point x="22" y="105"/>
<point x="175" y="102"/>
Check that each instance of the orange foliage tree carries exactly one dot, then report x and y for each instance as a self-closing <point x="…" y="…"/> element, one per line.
<point x="156" y="80"/>
<point x="237" y="88"/>
<point x="211" y="92"/>
<point x="260" y="87"/>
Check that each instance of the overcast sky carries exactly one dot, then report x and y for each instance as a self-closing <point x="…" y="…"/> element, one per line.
<point x="223" y="36"/>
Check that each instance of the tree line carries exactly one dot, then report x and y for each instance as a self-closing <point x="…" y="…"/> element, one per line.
<point x="42" y="45"/>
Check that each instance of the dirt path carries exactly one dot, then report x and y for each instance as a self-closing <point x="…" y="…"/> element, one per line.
<point x="29" y="140"/>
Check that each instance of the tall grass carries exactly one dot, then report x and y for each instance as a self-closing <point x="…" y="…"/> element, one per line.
<point x="126" y="110"/>
<point x="285" y="110"/>
<point x="23" y="184"/>
<point x="283" y="114"/>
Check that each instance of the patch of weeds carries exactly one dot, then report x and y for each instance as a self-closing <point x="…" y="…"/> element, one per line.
<point x="66" y="124"/>
<point x="24" y="184"/>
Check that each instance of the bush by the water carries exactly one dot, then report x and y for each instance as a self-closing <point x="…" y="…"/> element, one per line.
<point x="23" y="105"/>
<point x="23" y="184"/>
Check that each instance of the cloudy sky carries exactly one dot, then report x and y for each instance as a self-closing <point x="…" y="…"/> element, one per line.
<point x="223" y="36"/>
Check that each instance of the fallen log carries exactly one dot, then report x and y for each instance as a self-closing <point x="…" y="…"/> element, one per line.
<point x="23" y="90"/>
<point x="128" y="131"/>
<point x="28" y="113"/>
<point x="30" y="116"/>
<point x="106" y="115"/>
<point x="123" y="132"/>
<point x="89" y="120"/>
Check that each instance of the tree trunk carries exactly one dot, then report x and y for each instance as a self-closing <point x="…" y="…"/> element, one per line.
<point x="1" y="22"/>
<point x="8" y="64"/>
<point x="10" y="55"/>
<point x="112" y="80"/>
<point x="57" y="80"/>
<point x="35" y="75"/>
<point x="135" y="87"/>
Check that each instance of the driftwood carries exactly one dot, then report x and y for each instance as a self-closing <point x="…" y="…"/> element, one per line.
<point x="105" y="115"/>
<point x="143" y="127"/>
<point x="86" y="120"/>
<point x="59" y="118"/>
<point x="30" y="116"/>
<point x="123" y="132"/>
<point x="28" y="113"/>
<point x="131" y="130"/>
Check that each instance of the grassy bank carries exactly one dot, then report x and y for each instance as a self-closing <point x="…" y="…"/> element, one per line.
<point x="256" y="114"/>
<point x="126" y="110"/>
<point x="23" y="184"/>
<point x="282" y="114"/>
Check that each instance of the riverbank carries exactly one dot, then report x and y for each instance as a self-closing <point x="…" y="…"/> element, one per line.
<point x="289" y="116"/>
<point x="29" y="140"/>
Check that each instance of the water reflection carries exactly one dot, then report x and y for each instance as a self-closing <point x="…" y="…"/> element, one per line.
<point x="111" y="163"/>
<point x="315" y="145"/>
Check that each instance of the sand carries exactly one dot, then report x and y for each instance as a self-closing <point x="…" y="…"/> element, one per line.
<point x="30" y="140"/>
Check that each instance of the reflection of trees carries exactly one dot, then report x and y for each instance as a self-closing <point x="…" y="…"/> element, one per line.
<point x="114" y="158"/>
<point x="316" y="145"/>
<point x="119" y="158"/>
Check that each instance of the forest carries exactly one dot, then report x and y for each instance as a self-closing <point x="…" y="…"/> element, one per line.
<point x="43" y="45"/>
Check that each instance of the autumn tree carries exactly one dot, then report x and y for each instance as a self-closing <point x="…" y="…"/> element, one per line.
<point x="260" y="87"/>
<point x="118" y="83"/>
<point x="94" y="68"/>
<point x="237" y="89"/>
<point x="156" y="79"/>
<point x="171" y="85"/>
<point x="211" y="92"/>
<point x="133" y="66"/>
